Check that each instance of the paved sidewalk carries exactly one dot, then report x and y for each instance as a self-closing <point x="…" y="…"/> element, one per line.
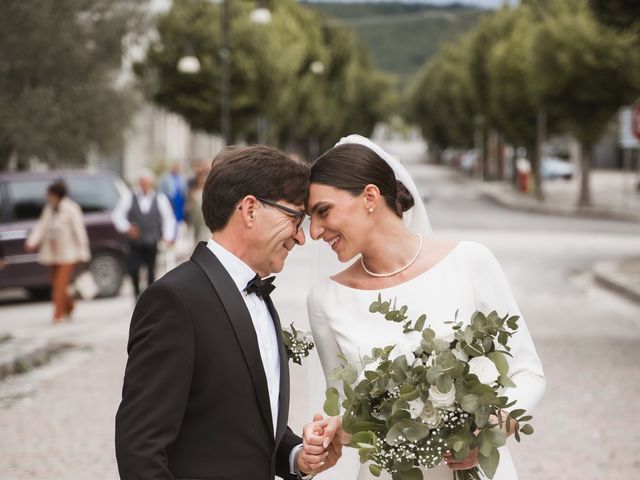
<point x="615" y="196"/>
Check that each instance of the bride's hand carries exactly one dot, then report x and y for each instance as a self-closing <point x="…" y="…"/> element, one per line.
<point x="469" y="462"/>
<point x="322" y="444"/>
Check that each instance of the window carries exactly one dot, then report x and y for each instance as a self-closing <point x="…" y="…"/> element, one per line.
<point x="27" y="198"/>
<point x="93" y="194"/>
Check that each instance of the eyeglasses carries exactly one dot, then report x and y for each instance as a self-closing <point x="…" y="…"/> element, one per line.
<point x="299" y="216"/>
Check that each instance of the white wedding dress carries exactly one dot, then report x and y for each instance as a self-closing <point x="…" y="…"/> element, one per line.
<point x="469" y="278"/>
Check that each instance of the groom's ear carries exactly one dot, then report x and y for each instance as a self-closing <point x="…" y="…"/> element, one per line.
<point x="247" y="208"/>
<point x="371" y="195"/>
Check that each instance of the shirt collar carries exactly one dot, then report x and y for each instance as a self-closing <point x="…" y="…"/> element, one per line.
<point x="139" y="193"/>
<point x="240" y="272"/>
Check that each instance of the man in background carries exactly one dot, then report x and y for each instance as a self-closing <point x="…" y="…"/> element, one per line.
<point x="146" y="217"/>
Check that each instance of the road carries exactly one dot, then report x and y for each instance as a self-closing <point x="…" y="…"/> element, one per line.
<point x="57" y="421"/>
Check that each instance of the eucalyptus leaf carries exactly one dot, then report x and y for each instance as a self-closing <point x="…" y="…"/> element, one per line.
<point x="469" y="403"/>
<point x="332" y="402"/>
<point x="375" y="470"/>
<point x="500" y="362"/>
<point x="408" y="429"/>
<point x="526" y="429"/>
<point x="489" y="463"/>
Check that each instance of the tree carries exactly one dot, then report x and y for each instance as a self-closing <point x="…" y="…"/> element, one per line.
<point x="441" y="99"/>
<point x="586" y="72"/>
<point x="58" y="67"/>
<point x="513" y="107"/>
<point x="491" y="30"/>
<point x="620" y="14"/>
<point x="271" y="73"/>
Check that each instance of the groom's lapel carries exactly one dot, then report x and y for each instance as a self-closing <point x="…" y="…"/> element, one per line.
<point x="241" y="322"/>
<point x="283" y="403"/>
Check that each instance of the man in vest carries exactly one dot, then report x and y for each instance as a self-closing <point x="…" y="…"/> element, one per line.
<point x="146" y="217"/>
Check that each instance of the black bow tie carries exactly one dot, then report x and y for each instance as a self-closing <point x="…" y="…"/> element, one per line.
<point x="261" y="287"/>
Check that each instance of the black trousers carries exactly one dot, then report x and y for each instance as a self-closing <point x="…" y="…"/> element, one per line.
<point x="142" y="255"/>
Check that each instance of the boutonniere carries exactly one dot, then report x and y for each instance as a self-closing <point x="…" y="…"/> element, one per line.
<point x="298" y="343"/>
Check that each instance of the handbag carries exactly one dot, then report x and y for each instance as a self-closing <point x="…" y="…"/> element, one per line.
<point x="85" y="286"/>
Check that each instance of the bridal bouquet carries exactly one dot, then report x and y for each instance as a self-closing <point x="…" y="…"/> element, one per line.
<point x="408" y="407"/>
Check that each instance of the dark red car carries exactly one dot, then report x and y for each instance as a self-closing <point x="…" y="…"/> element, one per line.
<point x="22" y="197"/>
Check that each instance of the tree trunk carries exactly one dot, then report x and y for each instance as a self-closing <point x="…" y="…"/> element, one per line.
<point x="486" y="133"/>
<point x="500" y="156"/>
<point x="585" y="176"/>
<point x="435" y="154"/>
<point x="5" y="156"/>
<point x="536" y="164"/>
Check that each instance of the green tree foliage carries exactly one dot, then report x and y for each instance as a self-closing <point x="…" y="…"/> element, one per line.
<point x="545" y="56"/>
<point x="441" y="99"/>
<point x="58" y="67"/>
<point x="271" y="73"/>
<point x="585" y="72"/>
<point x="621" y="14"/>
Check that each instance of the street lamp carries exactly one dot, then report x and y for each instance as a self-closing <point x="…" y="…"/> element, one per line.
<point x="190" y="64"/>
<point x="317" y="67"/>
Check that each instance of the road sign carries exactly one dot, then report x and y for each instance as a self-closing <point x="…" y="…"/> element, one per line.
<point x="635" y="120"/>
<point x="629" y="125"/>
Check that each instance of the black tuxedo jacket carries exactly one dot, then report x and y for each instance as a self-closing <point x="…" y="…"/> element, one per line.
<point x="195" y="402"/>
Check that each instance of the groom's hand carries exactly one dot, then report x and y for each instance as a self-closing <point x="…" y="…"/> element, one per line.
<point x="322" y="445"/>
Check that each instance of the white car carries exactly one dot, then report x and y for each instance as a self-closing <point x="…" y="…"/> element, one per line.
<point x="555" y="167"/>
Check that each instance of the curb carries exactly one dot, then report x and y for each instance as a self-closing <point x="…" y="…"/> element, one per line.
<point x="606" y="275"/>
<point x="21" y="355"/>
<point x="510" y="200"/>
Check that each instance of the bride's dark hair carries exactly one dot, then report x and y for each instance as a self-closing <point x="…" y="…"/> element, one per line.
<point x="352" y="167"/>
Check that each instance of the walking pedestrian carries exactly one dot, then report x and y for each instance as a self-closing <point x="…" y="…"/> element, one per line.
<point x="146" y="217"/>
<point x="174" y="186"/>
<point x="61" y="238"/>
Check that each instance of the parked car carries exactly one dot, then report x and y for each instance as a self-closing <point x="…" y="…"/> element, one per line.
<point x="22" y="197"/>
<point x="555" y="167"/>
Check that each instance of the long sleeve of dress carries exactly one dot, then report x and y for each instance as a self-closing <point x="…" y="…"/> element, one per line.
<point x="327" y="346"/>
<point x="492" y="292"/>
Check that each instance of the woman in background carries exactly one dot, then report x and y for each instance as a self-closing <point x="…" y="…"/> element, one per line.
<point x="61" y="238"/>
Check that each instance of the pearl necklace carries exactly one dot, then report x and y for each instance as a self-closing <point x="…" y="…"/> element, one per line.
<point x="401" y="269"/>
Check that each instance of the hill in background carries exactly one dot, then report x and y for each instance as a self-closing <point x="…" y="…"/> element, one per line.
<point x="402" y="36"/>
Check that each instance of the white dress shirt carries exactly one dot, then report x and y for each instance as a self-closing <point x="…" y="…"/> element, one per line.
<point x="121" y="211"/>
<point x="241" y="274"/>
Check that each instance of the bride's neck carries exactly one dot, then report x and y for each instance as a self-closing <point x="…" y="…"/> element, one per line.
<point x="390" y="248"/>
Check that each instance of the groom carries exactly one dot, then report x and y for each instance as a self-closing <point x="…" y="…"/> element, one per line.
<point x="206" y="387"/>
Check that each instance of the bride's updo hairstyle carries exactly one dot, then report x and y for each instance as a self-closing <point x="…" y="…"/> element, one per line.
<point x="352" y="167"/>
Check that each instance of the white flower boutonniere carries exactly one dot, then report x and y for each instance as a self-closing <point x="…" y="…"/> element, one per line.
<point x="298" y="343"/>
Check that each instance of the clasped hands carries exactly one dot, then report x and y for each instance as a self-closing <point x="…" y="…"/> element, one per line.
<point x="322" y="442"/>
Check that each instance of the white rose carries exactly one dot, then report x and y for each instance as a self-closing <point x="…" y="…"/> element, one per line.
<point x="415" y="408"/>
<point x="484" y="369"/>
<point x="440" y="399"/>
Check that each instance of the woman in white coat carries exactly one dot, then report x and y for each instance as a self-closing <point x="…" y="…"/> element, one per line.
<point x="60" y="237"/>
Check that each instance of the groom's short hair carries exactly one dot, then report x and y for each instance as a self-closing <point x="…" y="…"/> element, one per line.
<point x="255" y="170"/>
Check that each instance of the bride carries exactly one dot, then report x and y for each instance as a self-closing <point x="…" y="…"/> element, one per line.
<point x="362" y="202"/>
